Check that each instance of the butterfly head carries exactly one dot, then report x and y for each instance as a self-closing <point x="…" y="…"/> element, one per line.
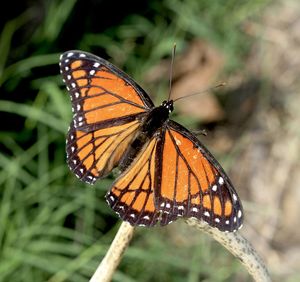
<point x="168" y="105"/>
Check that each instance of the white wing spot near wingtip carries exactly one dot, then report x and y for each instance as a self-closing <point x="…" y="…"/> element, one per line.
<point x="214" y="188"/>
<point x="70" y="54"/>
<point x="132" y="215"/>
<point x="162" y="205"/>
<point x="168" y="205"/>
<point x="96" y="65"/>
<point x="69" y="77"/>
<point x="73" y="85"/>
<point x="67" y="68"/>
<point x="67" y="60"/>
<point x="76" y="94"/>
<point x="217" y="220"/>
<point x="112" y="197"/>
<point x="234" y="219"/>
<point x="81" y="170"/>
<point x="178" y="142"/>
<point x="181" y="207"/>
<point x="221" y="180"/>
<point x="194" y="209"/>
<point x="82" y="55"/>
<point x="72" y="149"/>
<point x="74" y="161"/>
<point x="146" y="217"/>
<point x="227" y="222"/>
<point x="92" y="72"/>
<point x="78" y="107"/>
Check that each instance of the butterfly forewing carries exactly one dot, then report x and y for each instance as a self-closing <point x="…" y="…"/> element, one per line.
<point x="101" y="94"/>
<point x="190" y="182"/>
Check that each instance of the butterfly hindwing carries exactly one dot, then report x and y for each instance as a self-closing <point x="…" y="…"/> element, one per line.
<point x="101" y="94"/>
<point x="191" y="183"/>
<point x="92" y="155"/>
<point x="131" y="195"/>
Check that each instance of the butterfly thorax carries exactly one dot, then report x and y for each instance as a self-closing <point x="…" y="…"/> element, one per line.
<point x="153" y="121"/>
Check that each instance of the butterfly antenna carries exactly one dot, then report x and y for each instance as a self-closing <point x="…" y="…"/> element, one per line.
<point x="208" y="89"/>
<point x="171" y="71"/>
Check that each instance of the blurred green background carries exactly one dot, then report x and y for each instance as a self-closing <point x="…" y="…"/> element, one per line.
<point x="55" y="228"/>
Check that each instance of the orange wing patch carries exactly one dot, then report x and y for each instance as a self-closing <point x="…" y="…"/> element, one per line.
<point x="132" y="194"/>
<point x="91" y="155"/>
<point x="192" y="185"/>
<point x="100" y="92"/>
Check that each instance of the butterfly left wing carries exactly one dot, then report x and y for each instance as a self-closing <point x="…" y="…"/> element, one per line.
<point x="189" y="182"/>
<point x="108" y="109"/>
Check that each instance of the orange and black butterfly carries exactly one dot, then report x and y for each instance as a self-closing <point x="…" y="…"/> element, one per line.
<point x="166" y="171"/>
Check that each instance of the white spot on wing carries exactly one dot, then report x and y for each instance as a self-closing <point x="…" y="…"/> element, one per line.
<point x="70" y="54"/>
<point x="234" y="197"/>
<point x="221" y="180"/>
<point x="96" y="65"/>
<point x="178" y="142"/>
<point x="239" y="214"/>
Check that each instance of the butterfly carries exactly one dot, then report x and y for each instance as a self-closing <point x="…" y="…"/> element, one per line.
<point x="166" y="172"/>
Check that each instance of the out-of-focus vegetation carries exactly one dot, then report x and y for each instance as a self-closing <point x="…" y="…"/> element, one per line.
<point x="52" y="226"/>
